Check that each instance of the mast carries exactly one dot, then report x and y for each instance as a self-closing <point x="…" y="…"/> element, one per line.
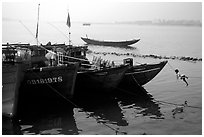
<point x="37" y="24"/>
<point x="69" y="25"/>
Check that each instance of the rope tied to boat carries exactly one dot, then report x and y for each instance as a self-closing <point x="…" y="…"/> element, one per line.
<point x="162" y="102"/>
<point x="175" y="69"/>
<point x="117" y="130"/>
<point x="178" y="75"/>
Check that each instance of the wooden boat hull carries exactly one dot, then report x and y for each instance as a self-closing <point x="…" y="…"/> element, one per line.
<point x="42" y="81"/>
<point x="12" y="76"/>
<point x="143" y="73"/>
<point x="105" y="79"/>
<point x="110" y="43"/>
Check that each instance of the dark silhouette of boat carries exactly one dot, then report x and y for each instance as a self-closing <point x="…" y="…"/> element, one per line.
<point x="43" y="74"/>
<point x="110" y="43"/>
<point x="43" y="78"/>
<point x="86" y="24"/>
<point x="47" y="73"/>
<point x="12" y="76"/>
<point x="103" y="78"/>
<point x="106" y="79"/>
<point x="143" y="73"/>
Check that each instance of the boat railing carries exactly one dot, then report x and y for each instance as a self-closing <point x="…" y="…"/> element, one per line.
<point x="13" y="55"/>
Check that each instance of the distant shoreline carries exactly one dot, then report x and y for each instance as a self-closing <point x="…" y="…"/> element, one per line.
<point x="141" y="22"/>
<point x="165" y="22"/>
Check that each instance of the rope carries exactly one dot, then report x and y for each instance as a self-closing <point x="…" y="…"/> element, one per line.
<point x="68" y="100"/>
<point x="57" y="92"/>
<point x="170" y="66"/>
<point x="47" y="49"/>
<point x="164" y="102"/>
<point x="58" y="29"/>
<point x="27" y="29"/>
<point x="194" y="77"/>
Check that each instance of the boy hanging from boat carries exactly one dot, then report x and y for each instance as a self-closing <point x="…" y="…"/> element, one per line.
<point x="182" y="77"/>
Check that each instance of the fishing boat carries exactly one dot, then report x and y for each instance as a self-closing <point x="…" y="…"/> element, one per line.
<point x="110" y="43"/>
<point x="43" y="78"/>
<point x="89" y="76"/>
<point x="143" y="73"/>
<point x="12" y="76"/>
<point x="46" y="72"/>
<point x="100" y="80"/>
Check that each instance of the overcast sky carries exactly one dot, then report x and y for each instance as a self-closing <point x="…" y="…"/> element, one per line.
<point x="90" y="11"/>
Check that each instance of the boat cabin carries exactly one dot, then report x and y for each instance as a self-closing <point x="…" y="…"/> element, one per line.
<point x="128" y="61"/>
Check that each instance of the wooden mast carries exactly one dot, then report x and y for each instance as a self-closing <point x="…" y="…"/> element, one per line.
<point x="69" y="25"/>
<point x="36" y="36"/>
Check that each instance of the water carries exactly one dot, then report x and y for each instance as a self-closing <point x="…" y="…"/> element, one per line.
<point x="122" y="113"/>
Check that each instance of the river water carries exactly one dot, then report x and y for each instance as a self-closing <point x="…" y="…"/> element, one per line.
<point x="122" y="113"/>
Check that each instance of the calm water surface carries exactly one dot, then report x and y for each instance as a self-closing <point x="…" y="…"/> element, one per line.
<point x="122" y="113"/>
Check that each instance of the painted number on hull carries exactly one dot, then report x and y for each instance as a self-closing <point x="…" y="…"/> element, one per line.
<point x="45" y="80"/>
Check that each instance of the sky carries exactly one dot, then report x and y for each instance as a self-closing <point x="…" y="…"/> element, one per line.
<point x="99" y="11"/>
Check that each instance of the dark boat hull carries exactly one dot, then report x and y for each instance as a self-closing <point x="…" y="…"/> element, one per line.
<point x="144" y="73"/>
<point x="42" y="81"/>
<point x="110" y="43"/>
<point x="12" y="76"/>
<point x="105" y="79"/>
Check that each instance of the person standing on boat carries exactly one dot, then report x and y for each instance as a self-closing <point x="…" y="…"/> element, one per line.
<point x="51" y="58"/>
<point x="182" y="77"/>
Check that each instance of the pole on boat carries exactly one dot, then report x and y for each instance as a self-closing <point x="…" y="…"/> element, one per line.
<point x="69" y="25"/>
<point x="36" y="36"/>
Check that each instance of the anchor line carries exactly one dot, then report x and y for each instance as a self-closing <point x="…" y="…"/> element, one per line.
<point x="164" y="102"/>
<point x="169" y="103"/>
<point x="75" y="105"/>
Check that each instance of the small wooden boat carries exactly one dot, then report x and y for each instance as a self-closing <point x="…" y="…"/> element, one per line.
<point x="105" y="79"/>
<point x="143" y="73"/>
<point x="12" y="76"/>
<point x="110" y="43"/>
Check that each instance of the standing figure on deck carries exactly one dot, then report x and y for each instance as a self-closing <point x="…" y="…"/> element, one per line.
<point x="182" y="77"/>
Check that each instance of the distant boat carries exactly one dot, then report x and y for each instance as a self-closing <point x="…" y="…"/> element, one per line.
<point x="143" y="73"/>
<point x="86" y="24"/>
<point x="110" y="43"/>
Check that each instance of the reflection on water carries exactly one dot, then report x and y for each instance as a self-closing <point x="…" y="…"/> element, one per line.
<point x="105" y="109"/>
<point x="60" y="122"/>
<point x="144" y="108"/>
<point x="10" y="127"/>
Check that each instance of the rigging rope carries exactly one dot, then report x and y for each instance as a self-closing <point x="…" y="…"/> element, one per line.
<point x="47" y="49"/>
<point x="58" y="30"/>
<point x="27" y="29"/>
